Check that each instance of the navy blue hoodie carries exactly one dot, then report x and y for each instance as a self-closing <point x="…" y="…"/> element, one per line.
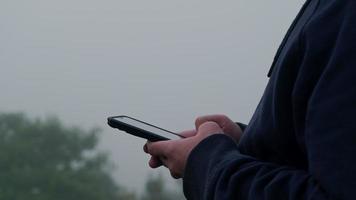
<point x="301" y="141"/>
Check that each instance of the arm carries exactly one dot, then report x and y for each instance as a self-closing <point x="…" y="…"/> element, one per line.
<point x="223" y="173"/>
<point x="330" y="129"/>
<point x="217" y="170"/>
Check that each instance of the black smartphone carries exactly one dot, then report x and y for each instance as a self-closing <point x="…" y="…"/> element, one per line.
<point x="141" y="129"/>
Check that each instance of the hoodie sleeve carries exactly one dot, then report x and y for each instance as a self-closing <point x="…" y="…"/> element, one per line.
<point x="223" y="173"/>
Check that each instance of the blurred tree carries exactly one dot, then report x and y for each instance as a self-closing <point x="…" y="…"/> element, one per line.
<point x="155" y="189"/>
<point x="44" y="160"/>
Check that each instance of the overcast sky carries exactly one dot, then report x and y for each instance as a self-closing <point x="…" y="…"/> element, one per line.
<point x="161" y="61"/>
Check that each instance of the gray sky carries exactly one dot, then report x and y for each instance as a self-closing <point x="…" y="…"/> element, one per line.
<point x="164" y="62"/>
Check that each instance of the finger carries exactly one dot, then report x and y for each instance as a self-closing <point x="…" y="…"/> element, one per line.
<point x="219" y="119"/>
<point x="158" y="149"/>
<point x="188" y="133"/>
<point x="155" y="162"/>
<point x="145" y="148"/>
<point x="209" y="128"/>
<point x="175" y="175"/>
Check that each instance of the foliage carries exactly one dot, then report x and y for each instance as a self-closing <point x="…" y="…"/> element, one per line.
<point x="155" y="189"/>
<point x="45" y="160"/>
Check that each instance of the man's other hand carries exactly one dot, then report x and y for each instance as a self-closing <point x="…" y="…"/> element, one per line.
<point x="155" y="161"/>
<point x="227" y="125"/>
<point x="174" y="153"/>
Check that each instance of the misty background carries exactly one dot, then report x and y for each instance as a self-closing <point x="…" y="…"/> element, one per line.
<point x="161" y="61"/>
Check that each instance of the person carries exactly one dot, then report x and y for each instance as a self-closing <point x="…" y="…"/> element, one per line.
<point x="301" y="140"/>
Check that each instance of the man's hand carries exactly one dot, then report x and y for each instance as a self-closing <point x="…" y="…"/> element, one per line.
<point x="227" y="125"/>
<point x="174" y="153"/>
<point x="155" y="161"/>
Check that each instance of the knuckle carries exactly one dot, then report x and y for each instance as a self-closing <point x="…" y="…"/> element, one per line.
<point x="174" y="168"/>
<point x="224" y="118"/>
<point x="198" y="120"/>
<point x="149" y="147"/>
<point x="210" y="124"/>
<point x="175" y="174"/>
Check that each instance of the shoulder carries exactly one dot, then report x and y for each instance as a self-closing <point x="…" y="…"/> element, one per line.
<point x="336" y="7"/>
<point x="330" y="20"/>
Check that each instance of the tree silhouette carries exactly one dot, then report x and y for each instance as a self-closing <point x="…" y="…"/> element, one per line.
<point x="155" y="189"/>
<point x="43" y="159"/>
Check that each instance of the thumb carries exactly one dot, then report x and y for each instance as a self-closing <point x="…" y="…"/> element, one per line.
<point x="188" y="133"/>
<point x="209" y="128"/>
<point x="158" y="149"/>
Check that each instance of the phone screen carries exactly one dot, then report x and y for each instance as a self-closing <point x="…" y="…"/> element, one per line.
<point x="147" y="127"/>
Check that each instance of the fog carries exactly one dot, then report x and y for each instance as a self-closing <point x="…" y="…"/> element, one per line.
<point x="164" y="62"/>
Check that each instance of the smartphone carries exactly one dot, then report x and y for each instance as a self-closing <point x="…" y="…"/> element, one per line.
<point x="141" y="129"/>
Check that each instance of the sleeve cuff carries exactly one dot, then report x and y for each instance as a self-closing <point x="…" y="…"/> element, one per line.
<point x="203" y="162"/>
